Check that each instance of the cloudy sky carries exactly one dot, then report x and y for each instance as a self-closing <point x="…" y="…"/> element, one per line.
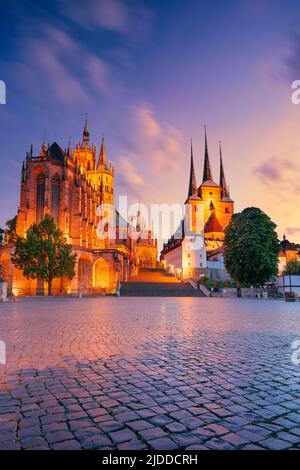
<point x="150" y="74"/>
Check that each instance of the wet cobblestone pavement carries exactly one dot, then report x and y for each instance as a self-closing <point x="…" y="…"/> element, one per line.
<point x="149" y="373"/>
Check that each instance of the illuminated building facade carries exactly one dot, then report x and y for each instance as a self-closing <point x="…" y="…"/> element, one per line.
<point x="70" y="185"/>
<point x="210" y="209"/>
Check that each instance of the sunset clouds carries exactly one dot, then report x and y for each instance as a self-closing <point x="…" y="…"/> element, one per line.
<point x="150" y="76"/>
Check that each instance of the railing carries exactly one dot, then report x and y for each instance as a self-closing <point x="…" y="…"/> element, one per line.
<point x="199" y="286"/>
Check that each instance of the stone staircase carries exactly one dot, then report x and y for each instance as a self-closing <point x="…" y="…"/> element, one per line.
<point x="157" y="282"/>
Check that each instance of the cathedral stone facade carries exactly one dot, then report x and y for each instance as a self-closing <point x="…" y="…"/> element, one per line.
<point x="71" y="185"/>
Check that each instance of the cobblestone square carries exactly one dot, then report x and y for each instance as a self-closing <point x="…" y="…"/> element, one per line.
<point x="149" y="373"/>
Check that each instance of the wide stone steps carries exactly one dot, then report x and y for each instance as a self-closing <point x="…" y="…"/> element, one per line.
<point x="157" y="283"/>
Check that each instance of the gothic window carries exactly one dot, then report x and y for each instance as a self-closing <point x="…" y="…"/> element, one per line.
<point x="40" y="198"/>
<point x="55" y="199"/>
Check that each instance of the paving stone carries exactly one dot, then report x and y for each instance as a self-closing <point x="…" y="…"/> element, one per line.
<point x="152" y="433"/>
<point x="163" y="443"/>
<point x="58" y="436"/>
<point x="67" y="445"/>
<point x="175" y="427"/>
<point x="275" y="444"/>
<point x="122" y="436"/>
<point x="96" y="441"/>
<point x="32" y="442"/>
<point x="132" y="445"/>
<point x="118" y="368"/>
<point x="29" y="432"/>
<point x="217" y="429"/>
<point x="139" y="425"/>
<point x="235" y="439"/>
<point x="54" y="427"/>
<point x="218" y="444"/>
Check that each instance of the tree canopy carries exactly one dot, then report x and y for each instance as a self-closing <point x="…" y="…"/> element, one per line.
<point x="44" y="253"/>
<point x="251" y="247"/>
<point x="9" y="234"/>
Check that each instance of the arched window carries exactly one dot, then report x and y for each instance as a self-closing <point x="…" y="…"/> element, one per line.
<point x="40" y="197"/>
<point x="226" y="210"/>
<point x="55" y="199"/>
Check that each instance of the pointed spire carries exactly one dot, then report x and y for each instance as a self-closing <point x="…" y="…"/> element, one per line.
<point x="207" y="174"/>
<point x="192" y="183"/>
<point x="23" y="178"/>
<point x="139" y="219"/>
<point x="43" y="151"/>
<point x="102" y="154"/>
<point x="86" y="134"/>
<point x="138" y="226"/>
<point x="69" y="150"/>
<point x="223" y="184"/>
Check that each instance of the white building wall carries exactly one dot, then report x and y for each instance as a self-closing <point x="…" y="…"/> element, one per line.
<point x="188" y="258"/>
<point x="281" y="264"/>
<point x="193" y="252"/>
<point x="173" y="261"/>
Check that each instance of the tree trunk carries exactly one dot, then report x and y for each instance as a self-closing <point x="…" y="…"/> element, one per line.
<point x="50" y="288"/>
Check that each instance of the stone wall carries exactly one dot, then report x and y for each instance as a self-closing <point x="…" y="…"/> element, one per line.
<point x="249" y="292"/>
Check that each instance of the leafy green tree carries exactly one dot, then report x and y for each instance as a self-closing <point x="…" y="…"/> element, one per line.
<point x="9" y="234"/>
<point x="292" y="267"/>
<point x="44" y="253"/>
<point x="10" y="231"/>
<point x="251" y="247"/>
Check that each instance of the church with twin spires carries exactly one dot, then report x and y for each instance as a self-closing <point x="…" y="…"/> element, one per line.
<point x="214" y="206"/>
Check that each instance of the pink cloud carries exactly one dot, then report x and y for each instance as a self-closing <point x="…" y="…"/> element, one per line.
<point x="160" y="141"/>
<point x="98" y="73"/>
<point x="113" y="15"/>
<point x="280" y="173"/>
<point x="129" y="174"/>
<point x="156" y="153"/>
<point x="49" y="62"/>
<point x="56" y="74"/>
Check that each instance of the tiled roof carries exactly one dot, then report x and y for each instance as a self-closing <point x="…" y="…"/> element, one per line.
<point x="287" y="246"/>
<point x="56" y="153"/>
<point x="213" y="225"/>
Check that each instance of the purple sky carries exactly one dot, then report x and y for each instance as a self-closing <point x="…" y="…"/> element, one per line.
<point x="150" y="74"/>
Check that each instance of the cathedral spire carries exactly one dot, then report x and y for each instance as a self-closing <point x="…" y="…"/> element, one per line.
<point x="23" y="178"/>
<point x="69" y="150"/>
<point x="44" y="146"/>
<point x="207" y="174"/>
<point x="192" y="184"/>
<point x="86" y="134"/>
<point x="139" y="220"/>
<point x="223" y="184"/>
<point x="102" y="154"/>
